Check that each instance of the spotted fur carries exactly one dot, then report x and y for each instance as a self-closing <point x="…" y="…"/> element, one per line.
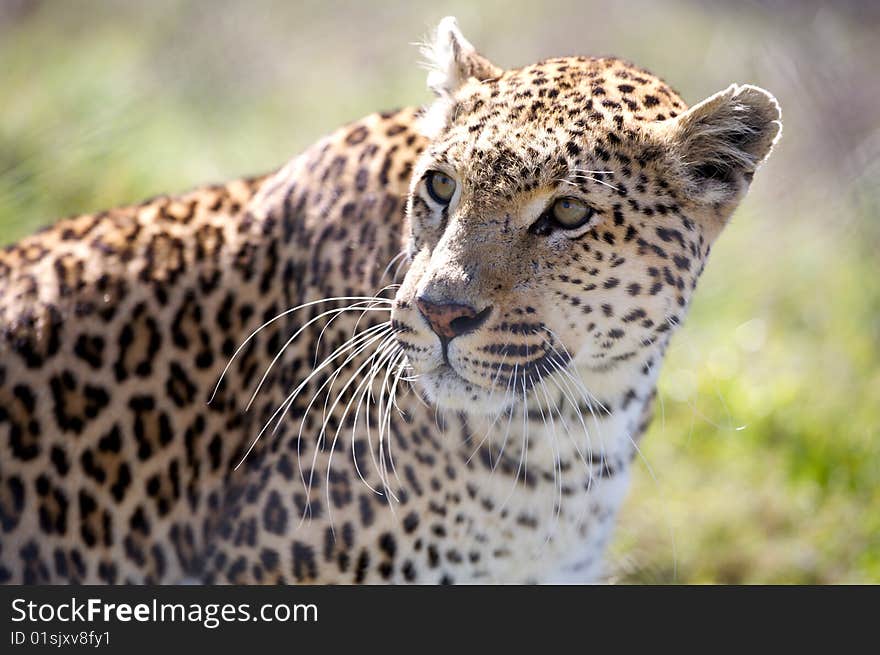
<point x="507" y="454"/>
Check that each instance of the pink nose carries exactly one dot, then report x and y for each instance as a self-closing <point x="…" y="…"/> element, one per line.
<point x="450" y="320"/>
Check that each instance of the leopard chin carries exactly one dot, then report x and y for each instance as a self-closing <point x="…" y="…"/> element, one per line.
<point x="446" y="389"/>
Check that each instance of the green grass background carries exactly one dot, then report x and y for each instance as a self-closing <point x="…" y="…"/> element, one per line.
<point x="763" y="464"/>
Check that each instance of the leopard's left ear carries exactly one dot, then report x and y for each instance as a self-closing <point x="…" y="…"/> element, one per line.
<point x="717" y="145"/>
<point x="453" y="60"/>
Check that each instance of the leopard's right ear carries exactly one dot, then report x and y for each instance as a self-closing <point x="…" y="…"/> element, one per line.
<point x="452" y="60"/>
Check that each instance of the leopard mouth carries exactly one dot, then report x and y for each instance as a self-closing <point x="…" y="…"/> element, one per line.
<point x="447" y="388"/>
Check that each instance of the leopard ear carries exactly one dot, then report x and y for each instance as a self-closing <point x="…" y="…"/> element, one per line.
<point x="718" y="144"/>
<point x="452" y="60"/>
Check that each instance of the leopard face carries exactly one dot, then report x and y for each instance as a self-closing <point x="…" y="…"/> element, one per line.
<point x="561" y="216"/>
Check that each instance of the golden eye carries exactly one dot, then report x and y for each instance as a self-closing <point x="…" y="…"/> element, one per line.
<point x="440" y="187"/>
<point x="571" y="213"/>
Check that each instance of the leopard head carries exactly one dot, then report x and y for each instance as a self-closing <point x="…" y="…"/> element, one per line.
<point x="560" y="217"/>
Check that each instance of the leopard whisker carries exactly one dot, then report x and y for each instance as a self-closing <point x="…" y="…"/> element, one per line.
<point x="578" y="382"/>
<point x="491" y="397"/>
<point x="357" y="323"/>
<point x="565" y="378"/>
<point x="277" y="317"/>
<point x="321" y="438"/>
<point x="381" y="425"/>
<point x="567" y="395"/>
<point x="523" y="466"/>
<point x="402" y="365"/>
<point x="507" y="400"/>
<point x="596" y="180"/>
<point x="509" y="395"/>
<point x="336" y="314"/>
<point x="580" y="173"/>
<point x="563" y="370"/>
<point x="400" y="265"/>
<point x="557" y="457"/>
<point x="357" y="345"/>
<point x="358" y="342"/>
<point x="396" y="257"/>
<point x="392" y="403"/>
<point x="354" y="333"/>
<point x="503" y="445"/>
<point x="526" y="423"/>
<point x="355" y="307"/>
<point x="386" y="350"/>
<point x="367" y="395"/>
<point x="587" y="465"/>
<point x="282" y="409"/>
<point x="588" y="398"/>
<point x="491" y="425"/>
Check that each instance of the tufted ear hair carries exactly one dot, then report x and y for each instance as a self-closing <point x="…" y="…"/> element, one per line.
<point x="718" y="144"/>
<point x="452" y="60"/>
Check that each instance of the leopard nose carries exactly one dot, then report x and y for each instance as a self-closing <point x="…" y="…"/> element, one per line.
<point x="449" y="319"/>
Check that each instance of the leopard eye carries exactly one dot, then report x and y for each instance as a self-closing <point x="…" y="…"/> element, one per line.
<point x="571" y="213"/>
<point x="440" y="187"/>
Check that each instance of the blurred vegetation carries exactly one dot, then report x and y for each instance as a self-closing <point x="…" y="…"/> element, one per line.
<point x="763" y="464"/>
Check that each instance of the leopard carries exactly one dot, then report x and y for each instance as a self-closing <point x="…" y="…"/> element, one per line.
<point x="425" y="350"/>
